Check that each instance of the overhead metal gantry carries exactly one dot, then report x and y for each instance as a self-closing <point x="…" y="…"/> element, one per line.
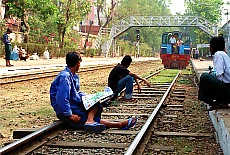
<point x="153" y="21"/>
<point x="164" y="21"/>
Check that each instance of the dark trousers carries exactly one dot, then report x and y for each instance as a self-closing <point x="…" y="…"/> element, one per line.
<point x="8" y="49"/>
<point x="210" y="88"/>
<point x="69" y="124"/>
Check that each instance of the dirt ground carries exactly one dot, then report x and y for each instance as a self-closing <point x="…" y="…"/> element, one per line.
<point x="27" y="104"/>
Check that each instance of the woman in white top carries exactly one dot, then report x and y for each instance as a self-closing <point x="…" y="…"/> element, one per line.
<point x="214" y="87"/>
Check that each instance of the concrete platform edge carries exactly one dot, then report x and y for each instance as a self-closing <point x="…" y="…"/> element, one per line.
<point x="222" y="131"/>
<point x="219" y="125"/>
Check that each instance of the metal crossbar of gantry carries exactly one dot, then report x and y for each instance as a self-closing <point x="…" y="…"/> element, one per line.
<point x="164" y="21"/>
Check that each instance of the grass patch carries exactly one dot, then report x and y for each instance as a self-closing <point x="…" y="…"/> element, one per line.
<point x="184" y="81"/>
<point x="45" y="111"/>
<point x="165" y="76"/>
<point x="188" y="71"/>
<point x="22" y="121"/>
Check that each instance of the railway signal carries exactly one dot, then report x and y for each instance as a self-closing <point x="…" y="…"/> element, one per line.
<point x="138" y="34"/>
<point x="138" y="40"/>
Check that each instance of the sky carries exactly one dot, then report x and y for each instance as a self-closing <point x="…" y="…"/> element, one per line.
<point x="178" y="6"/>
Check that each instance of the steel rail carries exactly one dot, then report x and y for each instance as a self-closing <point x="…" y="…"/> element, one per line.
<point x="22" y="141"/>
<point x="141" y="133"/>
<point x="28" y="74"/>
<point x="49" y="74"/>
<point x="83" y="69"/>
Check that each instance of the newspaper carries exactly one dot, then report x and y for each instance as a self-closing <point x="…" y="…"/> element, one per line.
<point x="90" y="99"/>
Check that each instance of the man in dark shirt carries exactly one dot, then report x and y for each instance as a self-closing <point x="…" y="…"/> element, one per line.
<point x="66" y="100"/>
<point x="120" y="77"/>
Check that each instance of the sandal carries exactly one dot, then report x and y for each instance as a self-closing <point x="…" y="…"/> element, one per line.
<point x="96" y="127"/>
<point x="131" y="123"/>
<point x="131" y="100"/>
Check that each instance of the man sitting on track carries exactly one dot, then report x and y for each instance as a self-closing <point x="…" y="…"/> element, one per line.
<point x="66" y="99"/>
<point x="120" y="77"/>
<point x="214" y="89"/>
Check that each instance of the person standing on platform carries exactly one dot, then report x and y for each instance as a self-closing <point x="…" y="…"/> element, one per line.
<point x="120" y="77"/>
<point x="66" y="100"/>
<point x="196" y="53"/>
<point x="214" y="87"/>
<point x="8" y="46"/>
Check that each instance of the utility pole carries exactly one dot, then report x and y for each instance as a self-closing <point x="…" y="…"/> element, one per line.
<point x="138" y="42"/>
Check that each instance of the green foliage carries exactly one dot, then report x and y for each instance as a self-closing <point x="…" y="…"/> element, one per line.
<point x="70" y="12"/>
<point x="126" y="47"/>
<point x="40" y="48"/>
<point x="143" y="8"/>
<point x="92" y="52"/>
<point x="22" y="8"/>
<point x="145" y="50"/>
<point x="207" y="9"/>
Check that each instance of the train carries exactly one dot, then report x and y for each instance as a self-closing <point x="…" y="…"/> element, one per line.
<point x="175" y="53"/>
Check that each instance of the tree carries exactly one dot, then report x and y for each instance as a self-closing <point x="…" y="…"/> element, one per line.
<point x="105" y="11"/>
<point x="70" y="12"/>
<point x="24" y="9"/>
<point x="208" y="9"/>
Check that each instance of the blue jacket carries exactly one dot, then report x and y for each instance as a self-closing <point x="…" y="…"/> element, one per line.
<point x="65" y="94"/>
<point x="6" y="39"/>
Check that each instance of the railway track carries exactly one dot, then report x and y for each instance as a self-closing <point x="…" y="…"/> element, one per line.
<point x="160" y="111"/>
<point x="44" y="74"/>
<point x="53" y="139"/>
<point x="8" y="79"/>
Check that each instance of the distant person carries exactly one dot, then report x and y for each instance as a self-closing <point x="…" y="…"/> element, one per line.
<point x="46" y="54"/>
<point x="8" y="46"/>
<point x="196" y="53"/>
<point x="172" y="41"/>
<point x="214" y="88"/>
<point x="22" y="54"/>
<point x="120" y="77"/>
<point x="179" y="42"/>
<point x="193" y="53"/>
<point x="66" y="99"/>
<point x="14" y="54"/>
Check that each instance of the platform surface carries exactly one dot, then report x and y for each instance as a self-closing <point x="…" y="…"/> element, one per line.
<point x="42" y="64"/>
<point x="220" y="117"/>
